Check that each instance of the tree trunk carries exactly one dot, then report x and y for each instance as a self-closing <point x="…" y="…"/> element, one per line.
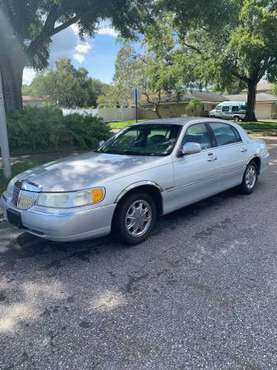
<point x="4" y="141"/>
<point x="157" y="110"/>
<point x="251" y="102"/>
<point x="12" y="73"/>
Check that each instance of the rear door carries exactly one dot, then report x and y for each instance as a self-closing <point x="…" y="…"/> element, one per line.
<point x="231" y="153"/>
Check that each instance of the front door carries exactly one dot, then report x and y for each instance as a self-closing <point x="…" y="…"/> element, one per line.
<point x="196" y="175"/>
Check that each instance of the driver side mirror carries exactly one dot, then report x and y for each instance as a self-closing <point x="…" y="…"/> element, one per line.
<point x="190" y="148"/>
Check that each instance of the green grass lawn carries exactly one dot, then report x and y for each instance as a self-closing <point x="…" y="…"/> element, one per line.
<point x="266" y="128"/>
<point x="122" y="124"/>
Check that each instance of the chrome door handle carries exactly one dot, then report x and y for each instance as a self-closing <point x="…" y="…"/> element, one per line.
<point x="211" y="157"/>
<point x="243" y="150"/>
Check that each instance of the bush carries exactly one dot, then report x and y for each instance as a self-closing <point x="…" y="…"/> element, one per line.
<point x="46" y="129"/>
<point x="195" y="108"/>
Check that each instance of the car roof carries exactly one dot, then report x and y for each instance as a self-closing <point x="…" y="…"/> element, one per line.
<point x="181" y="121"/>
<point x="233" y="102"/>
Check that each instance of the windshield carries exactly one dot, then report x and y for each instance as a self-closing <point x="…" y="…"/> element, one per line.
<point x="147" y="139"/>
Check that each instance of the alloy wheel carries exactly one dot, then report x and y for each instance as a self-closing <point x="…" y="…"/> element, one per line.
<point x="250" y="177"/>
<point x="138" y="218"/>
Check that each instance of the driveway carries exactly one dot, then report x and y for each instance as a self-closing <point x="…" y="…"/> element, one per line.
<point x="200" y="294"/>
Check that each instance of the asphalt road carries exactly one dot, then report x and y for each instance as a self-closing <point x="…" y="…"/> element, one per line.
<point x="200" y="294"/>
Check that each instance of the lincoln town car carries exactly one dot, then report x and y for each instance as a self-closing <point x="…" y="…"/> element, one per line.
<point x="145" y="171"/>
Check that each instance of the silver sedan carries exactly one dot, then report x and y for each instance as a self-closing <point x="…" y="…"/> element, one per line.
<point x="147" y="170"/>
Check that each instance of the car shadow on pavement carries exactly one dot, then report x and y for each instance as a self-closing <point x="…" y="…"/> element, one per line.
<point x="172" y="220"/>
<point x="26" y="246"/>
<point x="18" y="246"/>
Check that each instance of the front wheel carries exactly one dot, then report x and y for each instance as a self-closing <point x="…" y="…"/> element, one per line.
<point x="250" y="179"/>
<point x="135" y="218"/>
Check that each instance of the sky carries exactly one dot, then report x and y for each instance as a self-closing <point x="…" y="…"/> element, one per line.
<point x="97" y="54"/>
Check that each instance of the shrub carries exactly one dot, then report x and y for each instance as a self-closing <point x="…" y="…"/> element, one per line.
<point x="46" y="129"/>
<point x="195" y="108"/>
<point x="87" y="132"/>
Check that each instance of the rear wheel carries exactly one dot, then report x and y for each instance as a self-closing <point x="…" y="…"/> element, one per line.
<point x="135" y="218"/>
<point x="250" y="179"/>
<point x="236" y="118"/>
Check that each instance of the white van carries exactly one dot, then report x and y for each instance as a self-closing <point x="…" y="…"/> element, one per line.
<point x="235" y="110"/>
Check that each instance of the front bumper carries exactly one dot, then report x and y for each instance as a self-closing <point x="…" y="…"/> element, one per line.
<point x="65" y="225"/>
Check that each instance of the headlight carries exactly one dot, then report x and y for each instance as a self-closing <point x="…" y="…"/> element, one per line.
<point x="72" y="199"/>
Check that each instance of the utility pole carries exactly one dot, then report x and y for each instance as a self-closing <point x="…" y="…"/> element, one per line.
<point x="4" y="142"/>
<point x="136" y="95"/>
<point x="136" y="103"/>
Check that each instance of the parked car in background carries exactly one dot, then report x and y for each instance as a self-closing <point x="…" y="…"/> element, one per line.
<point x="147" y="170"/>
<point x="234" y="110"/>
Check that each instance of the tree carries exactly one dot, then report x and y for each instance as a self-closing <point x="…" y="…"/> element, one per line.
<point x="27" y="26"/>
<point x="67" y="86"/>
<point x="153" y="71"/>
<point x="231" y="40"/>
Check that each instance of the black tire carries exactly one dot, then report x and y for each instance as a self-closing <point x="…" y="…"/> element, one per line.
<point x="237" y="119"/>
<point x="119" y="228"/>
<point x="248" y="184"/>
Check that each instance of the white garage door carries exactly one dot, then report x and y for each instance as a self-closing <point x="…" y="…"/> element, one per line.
<point x="263" y="110"/>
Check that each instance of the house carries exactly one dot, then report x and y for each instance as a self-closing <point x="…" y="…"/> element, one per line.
<point x="31" y="101"/>
<point x="263" y="87"/>
<point x="266" y="104"/>
<point x="175" y="106"/>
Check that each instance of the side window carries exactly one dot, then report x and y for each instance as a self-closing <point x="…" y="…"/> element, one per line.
<point x="198" y="134"/>
<point x="235" y="108"/>
<point x="243" y="107"/>
<point x="225" y="109"/>
<point x="125" y="141"/>
<point x="225" y="134"/>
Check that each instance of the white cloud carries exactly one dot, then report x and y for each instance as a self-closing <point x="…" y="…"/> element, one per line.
<point x="83" y="48"/>
<point x="79" y="58"/>
<point x="75" y="28"/>
<point x="107" y="31"/>
<point x="81" y="51"/>
<point x="28" y="76"/>
<point x="105" y="28"/>
<point x="67" y="44"/>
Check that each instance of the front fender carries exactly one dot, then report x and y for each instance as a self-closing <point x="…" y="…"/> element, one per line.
<point x="136" y="185"/>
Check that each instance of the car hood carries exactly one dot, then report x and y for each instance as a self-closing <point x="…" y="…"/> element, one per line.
<point x="84" y="171"/>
